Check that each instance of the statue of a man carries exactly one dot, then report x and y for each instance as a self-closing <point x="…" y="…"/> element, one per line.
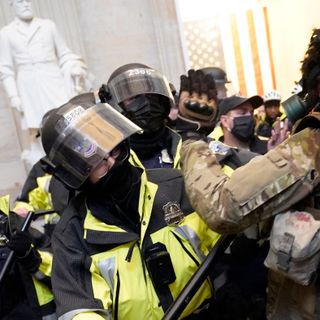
<point x="39" y="72"/>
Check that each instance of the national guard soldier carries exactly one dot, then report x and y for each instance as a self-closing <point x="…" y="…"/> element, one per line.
<point x="283" y="184"/>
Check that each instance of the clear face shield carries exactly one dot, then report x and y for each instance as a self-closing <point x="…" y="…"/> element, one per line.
<point x="86" y="137"/>
<point x="139" y="81"/>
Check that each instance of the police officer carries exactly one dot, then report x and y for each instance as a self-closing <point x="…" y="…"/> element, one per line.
<point x="43" y="191"/>
<point x="26" y="287"/>
<point x="144" y="96"/>
<point x="129" y="241"/>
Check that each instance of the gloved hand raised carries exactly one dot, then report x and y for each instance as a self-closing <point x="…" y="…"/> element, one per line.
<point x="197" y="103"/>
<point x="21" y="243"/>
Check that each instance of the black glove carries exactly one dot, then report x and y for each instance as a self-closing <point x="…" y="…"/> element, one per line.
<point x="20" y="243"/>
<point x="197" y="103"/>
<point x="104" y="94"/>
<point x="28" y="257"/>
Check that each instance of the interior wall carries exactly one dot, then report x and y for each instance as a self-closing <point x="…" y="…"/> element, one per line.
<point x="291" y="23"/>
<point x="107" y="34"/>
<point x="123" y="31"/>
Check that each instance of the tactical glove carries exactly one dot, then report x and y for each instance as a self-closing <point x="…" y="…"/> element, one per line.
<point x="27" y="256"/>
<point x="104" y="94"/>
<point x="197" y="103"/>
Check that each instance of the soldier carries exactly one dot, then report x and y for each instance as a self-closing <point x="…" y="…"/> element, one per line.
<point x="285" y="178"/>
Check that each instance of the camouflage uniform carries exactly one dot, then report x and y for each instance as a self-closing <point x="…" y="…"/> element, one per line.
<point x="264" y="187"/>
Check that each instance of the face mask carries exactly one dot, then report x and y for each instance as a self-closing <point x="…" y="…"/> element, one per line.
<point x="243" y="127"/>
<point x="147" y="112"/>
<point x="110" y="179"/>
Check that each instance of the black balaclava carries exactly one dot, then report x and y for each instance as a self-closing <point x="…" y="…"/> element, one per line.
<point x="120" y="188"/>
<point x="150" y="112"/>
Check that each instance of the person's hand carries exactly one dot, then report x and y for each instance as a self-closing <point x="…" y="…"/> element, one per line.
<point x="20" y="243"/>
<point x="197" y="103"/>
<point x="280" y="132"/>
<point x="22" y="212"/>
<point x="15" y="102"/>
<point x="28" y="257"/>
<point x="104" y="93"/>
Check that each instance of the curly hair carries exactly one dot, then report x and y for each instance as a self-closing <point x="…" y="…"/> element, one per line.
<point x="311" y="63"/>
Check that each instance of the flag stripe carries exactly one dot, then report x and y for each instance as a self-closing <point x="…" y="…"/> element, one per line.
<point x="255" y="52"/>
<point x="238" y="55"/>
<point x="266" y="21"/>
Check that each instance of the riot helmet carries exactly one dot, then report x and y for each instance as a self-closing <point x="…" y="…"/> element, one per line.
<point x="78" y="137"/>
<point x="142" y="93"/>
<point x="218" y="74"/>
<point x="220" y="78"/>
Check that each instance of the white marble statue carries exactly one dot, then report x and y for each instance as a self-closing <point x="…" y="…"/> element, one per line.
<point x="39" y="72"/>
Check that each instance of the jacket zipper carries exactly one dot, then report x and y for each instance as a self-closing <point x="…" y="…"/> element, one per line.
<point x="186" y="250"/>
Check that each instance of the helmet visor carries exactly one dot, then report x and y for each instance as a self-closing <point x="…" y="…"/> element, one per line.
<point x="139" y="81"/>
<point x="86" y="137"/>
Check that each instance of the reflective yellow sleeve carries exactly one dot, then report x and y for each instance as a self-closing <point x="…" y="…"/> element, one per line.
<point x="46" y="263"/>
<point x="44" y="294"/>
<point x="5" y="204"/>
<point x="40" y="198"/>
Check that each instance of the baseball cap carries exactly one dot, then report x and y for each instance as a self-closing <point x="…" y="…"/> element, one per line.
<point x="234" y="101"/>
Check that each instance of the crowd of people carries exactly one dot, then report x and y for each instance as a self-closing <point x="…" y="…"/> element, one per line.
<point x="140" y="198"/>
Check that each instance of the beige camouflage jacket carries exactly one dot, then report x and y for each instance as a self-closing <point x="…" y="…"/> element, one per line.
<point x="265" y="186"/>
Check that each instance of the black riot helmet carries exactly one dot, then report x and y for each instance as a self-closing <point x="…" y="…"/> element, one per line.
<point x="77" y="137"/>
<point x="220" y="78"/>
<point x="142" y="93"/>
<point x="218" y="74"/>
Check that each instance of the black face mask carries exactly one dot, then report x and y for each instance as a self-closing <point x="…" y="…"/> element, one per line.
<point x="108" y="182"/>
<point x="243" y="127"/>
<point x="148" y="112"/>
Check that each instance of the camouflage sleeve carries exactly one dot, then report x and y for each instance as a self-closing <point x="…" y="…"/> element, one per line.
<point x="264" y="187"/>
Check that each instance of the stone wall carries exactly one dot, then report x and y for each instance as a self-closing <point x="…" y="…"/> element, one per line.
<point x="106" y="34"/>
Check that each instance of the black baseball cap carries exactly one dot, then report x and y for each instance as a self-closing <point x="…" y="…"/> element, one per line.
<point x="234" y="101"/>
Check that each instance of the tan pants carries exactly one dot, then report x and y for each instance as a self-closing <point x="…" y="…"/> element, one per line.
<point x="288" y="300"/>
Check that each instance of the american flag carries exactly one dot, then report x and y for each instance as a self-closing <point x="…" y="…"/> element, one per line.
<point x="238" y="42"/>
